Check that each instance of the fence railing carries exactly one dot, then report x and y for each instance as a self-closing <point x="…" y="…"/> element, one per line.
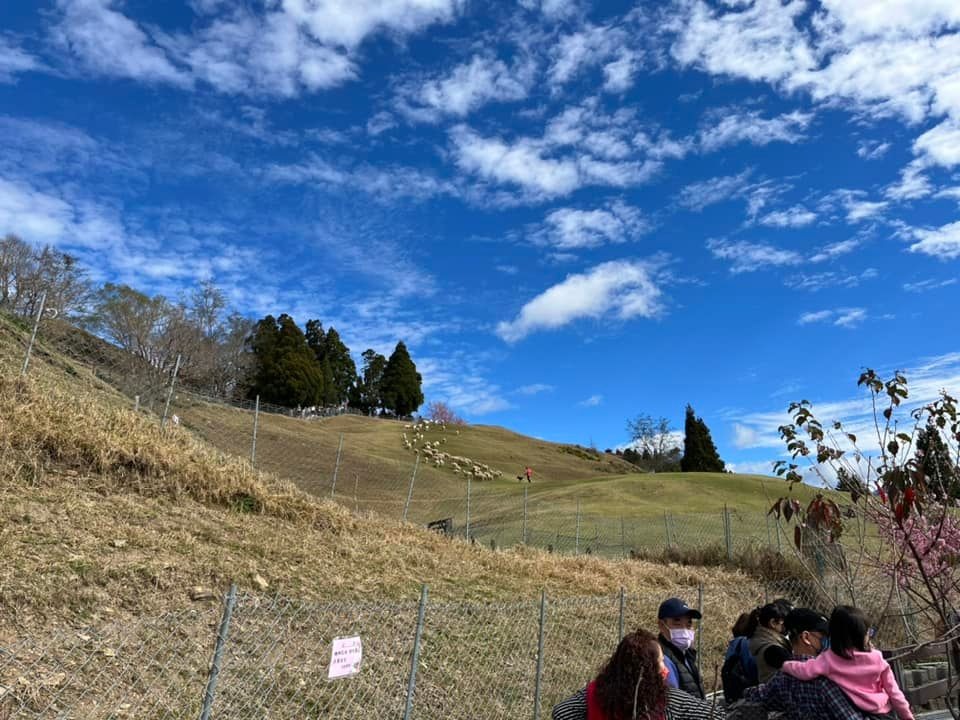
<point x="256" y="656"/>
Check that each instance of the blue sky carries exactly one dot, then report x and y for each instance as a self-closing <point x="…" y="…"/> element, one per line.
<point x="571" y="214"/>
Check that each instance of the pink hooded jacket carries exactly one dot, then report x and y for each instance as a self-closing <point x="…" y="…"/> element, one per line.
<point x="866" y="678"/>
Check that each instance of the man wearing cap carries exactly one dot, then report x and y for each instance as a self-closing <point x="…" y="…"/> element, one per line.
<point x="796" y="699"/>
<point x="675" y="621"/>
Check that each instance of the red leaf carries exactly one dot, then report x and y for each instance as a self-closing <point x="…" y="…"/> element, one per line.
<point x="797" y="535"/>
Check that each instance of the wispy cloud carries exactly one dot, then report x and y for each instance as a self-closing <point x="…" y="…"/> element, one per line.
<point x="592" y="401"/>
<point x="929" y="284"/>
<point x="696" y="196"/>
<point x="942" y="242"/>
<point x="834" y="250"/>
<point x="534" y="389"/>
<point x="841" y="317"/>
<point x="466" y="87"/>
<point x="14" y="60"/>
<point x="736" y="127"/>
<point x="572" y="228"/>
<point x="747" y="257"/>
<point x="794" y="217"/>
<point x="616" y="290"/>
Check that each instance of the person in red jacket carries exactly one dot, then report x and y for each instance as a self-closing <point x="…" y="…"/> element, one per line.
<point x="529" y="473"/>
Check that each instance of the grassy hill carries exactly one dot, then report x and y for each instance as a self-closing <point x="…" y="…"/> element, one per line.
<point x="577" y="493"/>
<point x="107" y="523"/>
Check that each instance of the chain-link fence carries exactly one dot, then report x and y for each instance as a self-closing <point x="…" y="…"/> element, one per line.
<point x="270" y="657"/>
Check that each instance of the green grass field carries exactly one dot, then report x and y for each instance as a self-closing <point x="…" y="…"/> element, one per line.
<point x="618" y="507"/>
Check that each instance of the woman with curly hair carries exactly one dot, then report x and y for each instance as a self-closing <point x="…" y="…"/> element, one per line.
<point x="632" y="686"/>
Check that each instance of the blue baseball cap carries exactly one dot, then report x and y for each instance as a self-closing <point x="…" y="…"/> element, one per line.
<point x="676" y="608"/>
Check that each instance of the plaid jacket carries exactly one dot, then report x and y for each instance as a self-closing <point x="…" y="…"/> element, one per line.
<point x="799" y="700"/>
<point x="680" y="706"/>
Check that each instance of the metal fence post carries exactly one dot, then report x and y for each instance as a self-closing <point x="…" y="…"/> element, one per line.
<point x="538" y="679"/>
<point x="623" y="609"/>
<point x="136" y="403"/>
<point x="256" y="423"/>
<point x="406" y="506"/>
<point x="699" y="623"/>
<point x="727" y="533"/>
<point x="666" y="525"/>
<point x="412" y="682"/>
<point x="173" y="382"/>
<point x="623" y="537"/>
<point x="523" y="536"/>
<point x="229" y="602"/>
<point x="469" y="488"/>
<point x="33" y="335"/>
<point x="336" y="468"/>
<point x="576" y="546"/>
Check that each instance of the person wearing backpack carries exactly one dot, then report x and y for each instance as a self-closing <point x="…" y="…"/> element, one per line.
<point x="739" y="669"/>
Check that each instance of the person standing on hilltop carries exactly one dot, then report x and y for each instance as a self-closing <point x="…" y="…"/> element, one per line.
<point x="675" y="621"/>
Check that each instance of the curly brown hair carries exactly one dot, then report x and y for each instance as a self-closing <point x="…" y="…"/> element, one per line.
<point x="633" y="672"/>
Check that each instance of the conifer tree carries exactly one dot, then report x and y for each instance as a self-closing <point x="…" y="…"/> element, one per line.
<point x="401" y="388"/>
<point x="941" y="472"/>
<point x="699" y="452"/>
<point x="286" y="371"/>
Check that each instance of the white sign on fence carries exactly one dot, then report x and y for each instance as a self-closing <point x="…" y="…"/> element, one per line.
<point x="345" y="657"/>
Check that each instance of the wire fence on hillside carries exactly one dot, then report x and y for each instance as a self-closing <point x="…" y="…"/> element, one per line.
<point x="257" y="656"/>
<point x="386" y="473"/>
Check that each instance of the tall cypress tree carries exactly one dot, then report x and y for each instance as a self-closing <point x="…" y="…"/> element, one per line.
<point x="401" y="388"/>
<point x="287" y="373"/>
<point x="699" y="452"/>
<point x="331" y="352"/>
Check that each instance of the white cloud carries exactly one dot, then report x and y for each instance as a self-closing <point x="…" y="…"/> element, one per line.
<point x="881" y="58"/>
<point x="380" y="123"/>
<point x="913" y="183"/>
<point x="618" y="75"/>
<point x="14" y="60"/>
<point x="382" y="182"/>
<point x="797" y="216"/>
<point x="553" y="9"/>
<point x="619" y="289"/>
<point x="737" y="127"/>
<point x="872" y="149"/>
<point x="749" y="257"/>
<point x="111" y="44"/>
<point x="467" y="87"/>
<point x="534" y="389"/>
<point x="757" y="42"/>
<point x="840" y="317"/>
<point x="743" y="436"/>
<point x="459" y="381"/>
<point x="570" y="228"/>
<point x="929" y="284"/>
<point x="347" y="23"/>
<point x="821" y="281"/>
<point x="268" y="55"/>
<point x="586" y="48"/>
<point x="941" y="145"/>
<point x="942" y="242"/>
<point x="835" y="250"/>
<point x="592" y="401"/>
<point x="294" y="46"/>
<point x="858" y="210"/>
<point x="699" y="195"/>
<point x="527" y="163"/>
<point x="927" y="377"/>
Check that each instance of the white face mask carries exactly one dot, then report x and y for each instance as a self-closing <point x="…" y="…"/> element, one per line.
<point x="682" y="638"/>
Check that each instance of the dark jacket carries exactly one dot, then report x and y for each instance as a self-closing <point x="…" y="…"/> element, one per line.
<point x="685" y="663"/>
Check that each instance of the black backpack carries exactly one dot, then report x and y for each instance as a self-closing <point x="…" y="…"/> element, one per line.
<point x="739" y="670"/>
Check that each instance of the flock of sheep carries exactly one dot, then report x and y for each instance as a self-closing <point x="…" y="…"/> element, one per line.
<point x="430" y="451"/>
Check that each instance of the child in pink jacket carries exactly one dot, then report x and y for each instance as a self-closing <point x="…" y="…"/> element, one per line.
<point x="859" y="670"/>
